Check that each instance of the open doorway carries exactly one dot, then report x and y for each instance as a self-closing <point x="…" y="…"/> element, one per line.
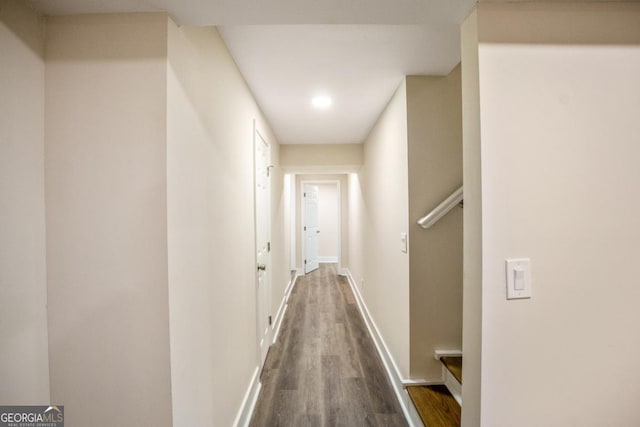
<point x="320" y="222"/>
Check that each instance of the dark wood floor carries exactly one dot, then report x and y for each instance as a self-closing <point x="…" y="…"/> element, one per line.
<point x="324" y="369"/>
<point x="436" y="406"/>
<point x="454" y="365"/>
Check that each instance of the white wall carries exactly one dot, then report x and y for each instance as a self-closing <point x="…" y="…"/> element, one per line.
<point x="571" y="114"/>
<point x="24" y="364"/>
<point x="559" y="153"/>
<point x="210" y="187"/>
<point x="378" y="213"/>
<point x="106" y="200"/>
<point x="328" y="221"/>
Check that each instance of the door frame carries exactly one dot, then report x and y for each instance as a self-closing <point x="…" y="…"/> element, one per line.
<point x="259" y="337"/>
<point x="337" y="183"/>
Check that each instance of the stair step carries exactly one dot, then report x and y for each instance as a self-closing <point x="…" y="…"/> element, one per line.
<point x="435" y="405"/>
<point x="454" y="365"/>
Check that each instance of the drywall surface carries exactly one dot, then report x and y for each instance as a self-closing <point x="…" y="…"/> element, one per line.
<point x="24" y="361"/>
<point x="210" y="204"/>
<point x="559" y="151"/>
<point x="106" y="218"/>
<point x="434" y="117"/>
<point x="379" y="205"/>
<point x="321" y="156"/>
<point x="472" y="226"/>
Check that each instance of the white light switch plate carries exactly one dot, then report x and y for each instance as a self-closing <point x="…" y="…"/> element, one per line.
<point x="518" y="275"/>
<point x="403" y="242"/>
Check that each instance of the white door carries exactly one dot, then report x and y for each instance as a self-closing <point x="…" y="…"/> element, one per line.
<point x="263" y="246"/>
<point x="310" y="228"/>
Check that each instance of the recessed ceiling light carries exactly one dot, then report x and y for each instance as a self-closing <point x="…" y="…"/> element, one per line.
<point x="322" y="102"/>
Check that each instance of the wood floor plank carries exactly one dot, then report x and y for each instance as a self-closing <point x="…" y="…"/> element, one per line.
<point x="389" y="420"/>
<point x="454" y="365"/>
<point x="436" y="406"/>
<point x="309" y="421"/>
<point x="324" y="370"/>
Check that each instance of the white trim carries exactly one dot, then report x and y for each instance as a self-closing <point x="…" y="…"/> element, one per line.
<point x="290" y="287"/>
<point x="249" y="401"/>
<point x="387" y="359"/>
<point x="277" y="324"/>
<point x="338" y="184"/>
<point x="282" y="310"/>
<point x="292" y="222"/>
<point x="327" y="259"/>
<point x="455" y="388"/>
<point x="299" y="271"/>
<point x="268" y="276"/>
<point x="343" y="272"/>
<point x="439" y="354"/>
<point x="277" y="321"/>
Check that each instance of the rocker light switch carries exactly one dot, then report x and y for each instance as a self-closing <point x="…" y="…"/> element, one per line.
<point x="518" y="278"/>
<point x="518" y="274"/>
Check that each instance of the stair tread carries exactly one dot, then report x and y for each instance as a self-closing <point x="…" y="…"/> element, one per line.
<point x="435" y="405"/>
<point x="454" y="365"/>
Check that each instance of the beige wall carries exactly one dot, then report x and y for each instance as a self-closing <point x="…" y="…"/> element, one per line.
<point x="210" y="228"/>
<point x="321" y="156"/>
<point x="344" y="214"/>
<point x="115" y="108"/>
<point x="328" y="220"/>
<point x="559" y="133"/>
<point x="24" y="364"/>
<point x="434" y="117"/>
<point x="472" y="226"/>
<point x="105" y="165"/>
<point x="378" y="213"/>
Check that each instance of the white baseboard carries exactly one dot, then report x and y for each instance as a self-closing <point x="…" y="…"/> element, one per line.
<point x="251" y="396"/>
<point x="290" y="286"/>
<point x="344" y="272"/>
<point x="397" y="382"/>
<point x="249" y="402"/>
<point x="283" y="309"/>
<point x="327" y="259"/>
<point x="452" y="384"/>
<point x="277" y="322"/>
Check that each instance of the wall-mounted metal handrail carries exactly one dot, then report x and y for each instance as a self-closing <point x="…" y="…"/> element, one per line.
<point x="441" y="210"/>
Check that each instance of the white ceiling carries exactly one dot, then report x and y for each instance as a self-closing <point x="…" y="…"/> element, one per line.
<point x="356" y="51"/>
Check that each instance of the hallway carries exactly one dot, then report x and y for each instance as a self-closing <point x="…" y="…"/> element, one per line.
<point x="324" y="369"/>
